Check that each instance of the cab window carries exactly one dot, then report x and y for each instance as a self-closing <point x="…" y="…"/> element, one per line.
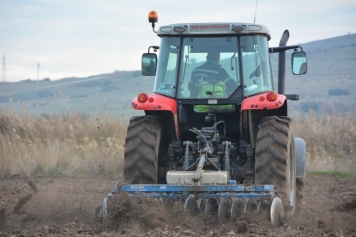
<point x="209" y="68"/>
<point x="167" y="66"/>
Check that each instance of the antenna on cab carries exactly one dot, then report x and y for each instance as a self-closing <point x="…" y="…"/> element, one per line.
<point x="254" y="20"/>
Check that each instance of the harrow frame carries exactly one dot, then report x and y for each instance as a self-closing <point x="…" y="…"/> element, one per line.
<point x="257" y="195"/>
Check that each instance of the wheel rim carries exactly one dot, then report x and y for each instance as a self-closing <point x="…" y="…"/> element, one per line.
<point x="292" y="178"/>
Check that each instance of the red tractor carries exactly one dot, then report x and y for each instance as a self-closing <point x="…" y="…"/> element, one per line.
<point x="214" y="119"/>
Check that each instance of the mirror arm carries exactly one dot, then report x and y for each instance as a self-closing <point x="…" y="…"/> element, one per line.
<point x="155" y="48"/>
<point x="284" y="48"/>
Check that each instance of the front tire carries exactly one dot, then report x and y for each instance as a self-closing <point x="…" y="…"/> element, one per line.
<point x="142" y="150"/>
<point x="275" y="158"/>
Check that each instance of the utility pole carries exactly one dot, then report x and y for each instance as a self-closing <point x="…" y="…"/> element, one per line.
<point x="3" y="71"/>
<point x="38" y="72"/>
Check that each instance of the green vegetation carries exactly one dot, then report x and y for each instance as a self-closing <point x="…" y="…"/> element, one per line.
<point x="336" y="174"/>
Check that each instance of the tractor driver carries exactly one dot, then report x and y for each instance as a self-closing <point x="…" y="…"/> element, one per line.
<point x="213" y="74"/>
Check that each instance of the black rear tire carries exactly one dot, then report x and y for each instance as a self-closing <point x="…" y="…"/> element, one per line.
<point x="275" y="158"/>
<point x="142" y="150"/>
<point x="299" y="196"/>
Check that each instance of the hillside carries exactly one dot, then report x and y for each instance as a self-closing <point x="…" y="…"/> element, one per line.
<point x="107" y="93"/>
<point x="330" y="83"/>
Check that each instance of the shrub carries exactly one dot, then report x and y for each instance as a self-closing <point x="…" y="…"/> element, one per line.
<point x="338" y="92"/>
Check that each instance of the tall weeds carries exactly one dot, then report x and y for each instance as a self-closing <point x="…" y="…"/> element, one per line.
<point x="330" y="139"/>
<point x="76" y="144"/>
<point x="73" y="144"/>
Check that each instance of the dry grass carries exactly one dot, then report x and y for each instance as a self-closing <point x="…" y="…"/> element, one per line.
<point x="76" y="144"/>
<point x="73" y="144"/>
<point x="331" y="141"/>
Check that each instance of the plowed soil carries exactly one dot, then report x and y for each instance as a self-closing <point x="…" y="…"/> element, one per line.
<point x="65" y="206"/>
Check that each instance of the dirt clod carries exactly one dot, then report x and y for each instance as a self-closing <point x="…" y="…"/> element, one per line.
<point x="32" y="185"/>
<point x="21" y="203"/>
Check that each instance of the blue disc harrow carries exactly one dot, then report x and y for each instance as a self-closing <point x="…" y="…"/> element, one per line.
<point x="216" y="202"/>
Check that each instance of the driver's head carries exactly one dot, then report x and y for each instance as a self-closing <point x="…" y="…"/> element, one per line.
<point x="213" y="55"/>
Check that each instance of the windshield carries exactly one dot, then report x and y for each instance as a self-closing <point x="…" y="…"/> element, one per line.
<point x="166" y="76"/>
<point x="209" y="67"/>
<point x="256" y="67"/>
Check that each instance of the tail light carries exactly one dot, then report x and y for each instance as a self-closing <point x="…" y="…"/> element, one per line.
<point x="271" y="96"/>
<point x="142" y="97"/>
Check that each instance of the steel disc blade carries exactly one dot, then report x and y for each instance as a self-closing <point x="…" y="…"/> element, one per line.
<point x="202" y="205"/>
<point x="211" y="210"/>
<point x="181" y="200"/>
<point x="105" y="209"/>
<point x="169" y="203"/>
<point x="262" y="205"/>
<point x="237" y="208"/>
<point x="277" y="212"/>
<point x="224" y="211"/>
<point x="191" y="205"/>
<point x="251" y="204"/>
<point x="161" y="201"/>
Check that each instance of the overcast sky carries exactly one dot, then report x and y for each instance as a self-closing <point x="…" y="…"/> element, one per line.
<point x="87" y="37"/>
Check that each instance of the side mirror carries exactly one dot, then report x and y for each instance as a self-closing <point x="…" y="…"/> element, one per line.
<point x="299" y="63"/>
<point x="149" y="64"/>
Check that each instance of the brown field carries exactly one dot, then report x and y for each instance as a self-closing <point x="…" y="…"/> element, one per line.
<point x="55" y="170"/>
<point x="64" y="206"/>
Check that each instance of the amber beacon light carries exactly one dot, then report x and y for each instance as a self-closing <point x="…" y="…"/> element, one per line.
<point x="152" y="17"/>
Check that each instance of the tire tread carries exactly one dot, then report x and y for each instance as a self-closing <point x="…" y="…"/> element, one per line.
<point x="141" y="150"/>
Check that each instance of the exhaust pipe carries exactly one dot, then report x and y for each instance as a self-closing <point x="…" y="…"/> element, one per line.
<point x="282" y="64"/>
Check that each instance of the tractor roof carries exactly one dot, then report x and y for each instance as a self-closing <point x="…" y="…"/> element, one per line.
<point x="214" y="28"/>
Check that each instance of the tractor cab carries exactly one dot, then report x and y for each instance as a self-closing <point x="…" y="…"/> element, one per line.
<point x="214" y="68"/>
<point x="243" y="54"/>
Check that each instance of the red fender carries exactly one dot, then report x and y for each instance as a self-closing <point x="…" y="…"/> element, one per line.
<point x="260" y="101"/>
<point x="158" y="102"/>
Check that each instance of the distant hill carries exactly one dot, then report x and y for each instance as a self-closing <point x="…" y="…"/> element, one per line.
<point x="326" y="44"/>
<point x="329" y="84"/>
<point x="101" y="94"/>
